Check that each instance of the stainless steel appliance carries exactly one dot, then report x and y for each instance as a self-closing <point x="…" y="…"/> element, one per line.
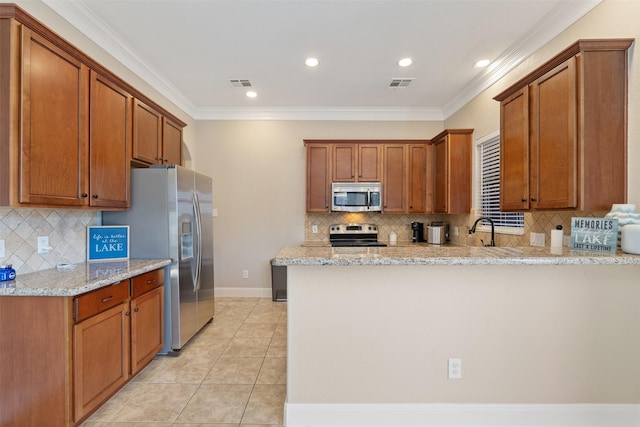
<point x="438" y="233"/>
<point x="354" y="235"/>
<point x="171" y="217"/>
<point x="356" y="196"/>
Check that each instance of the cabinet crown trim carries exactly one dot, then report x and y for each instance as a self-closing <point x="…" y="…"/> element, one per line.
<point x="582" y="45"/>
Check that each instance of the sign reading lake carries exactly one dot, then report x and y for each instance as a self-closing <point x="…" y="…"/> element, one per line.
<point x="107" y="243"/>
<point x="594" y="234"/>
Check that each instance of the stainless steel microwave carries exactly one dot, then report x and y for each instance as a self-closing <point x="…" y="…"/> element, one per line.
<point x="356" y="196"/>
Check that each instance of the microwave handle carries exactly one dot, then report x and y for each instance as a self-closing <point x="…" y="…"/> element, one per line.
<point x="368" y="199"/>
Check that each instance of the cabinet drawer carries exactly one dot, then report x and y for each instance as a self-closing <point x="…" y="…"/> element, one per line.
<point x="90" y="304"/>
<point x="146" y="281"/>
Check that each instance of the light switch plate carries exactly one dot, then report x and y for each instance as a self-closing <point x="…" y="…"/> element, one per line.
<point x="2" y="253"/>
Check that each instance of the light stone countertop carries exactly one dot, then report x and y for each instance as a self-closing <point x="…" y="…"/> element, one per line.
<point x="84" y="278"/>
<point x="444" y="255"/>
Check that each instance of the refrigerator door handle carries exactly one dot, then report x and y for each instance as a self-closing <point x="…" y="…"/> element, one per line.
<point x="198" y="242"/>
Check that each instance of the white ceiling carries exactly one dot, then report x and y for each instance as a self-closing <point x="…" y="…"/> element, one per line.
<point x="189" y="49"/>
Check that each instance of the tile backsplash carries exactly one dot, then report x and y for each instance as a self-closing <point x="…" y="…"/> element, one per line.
<point x="537" y="222"/>
<point x="66" y="229"/>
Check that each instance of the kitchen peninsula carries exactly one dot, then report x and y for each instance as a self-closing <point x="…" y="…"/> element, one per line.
<point x="543" y="338"/>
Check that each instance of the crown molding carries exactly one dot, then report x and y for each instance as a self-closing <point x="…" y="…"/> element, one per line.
<point x="554" y="23"/>
<point x="83" y="18"/>
<point x="313" y="113"/>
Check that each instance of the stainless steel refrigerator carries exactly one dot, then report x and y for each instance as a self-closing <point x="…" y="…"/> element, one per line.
<point x="171" y="217"/>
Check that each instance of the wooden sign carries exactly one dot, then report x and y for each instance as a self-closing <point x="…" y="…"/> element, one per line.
<point x="107" y="243"/>
<point x="594" y="234"/>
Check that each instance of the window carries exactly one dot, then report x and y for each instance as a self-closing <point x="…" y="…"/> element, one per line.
<point x="489" y="189"/>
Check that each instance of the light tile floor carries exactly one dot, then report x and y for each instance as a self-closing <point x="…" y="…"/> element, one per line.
<point x="232" y="374"/>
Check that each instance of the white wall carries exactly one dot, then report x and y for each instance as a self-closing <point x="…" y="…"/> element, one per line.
<point x="259" y="183"/>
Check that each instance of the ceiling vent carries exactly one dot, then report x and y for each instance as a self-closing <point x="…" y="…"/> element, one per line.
<point x="240" y="83"/>
<point x="399" y="83"/>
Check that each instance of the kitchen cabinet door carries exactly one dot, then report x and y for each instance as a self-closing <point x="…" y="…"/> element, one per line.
<point x="418" y="178"/>
<point x="110" y="144"/>
<point x="101" y="357"/>
<point x="147" y="328"/>
<point x="514" y="152"/>
<point x="369" y="162"/>
<point x="171" y="142"/>
<point x="147" y="134"/>
<point x="54" y="110"/>
<point x="344" y="162"/>
<point x="394" y="189"/>
<point x="452" y="171"/>
<point x="318" y="178"/>
<point x="553" y="145"/>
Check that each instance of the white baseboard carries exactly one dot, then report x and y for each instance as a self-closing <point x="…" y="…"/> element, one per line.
<point x="243" y="292"/>
<point x="458" y="415"/>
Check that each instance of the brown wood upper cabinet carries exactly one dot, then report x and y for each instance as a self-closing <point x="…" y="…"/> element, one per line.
<point x="356" y="162"/>
<point x="318" y="177"/>
<point x="110" y="144"/>
<point x="563" y="131"/>
<point x="66" y="122"/>
<point x="400" y="165"/>
<point x="156" y="139"/>
<point x="452" y="171"/>
<point x="50" y="163"/>
<point x="395" y="176"/>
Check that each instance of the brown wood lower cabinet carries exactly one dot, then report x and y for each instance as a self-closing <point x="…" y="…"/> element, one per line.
<point x="62" y="357"/>
<point x="101" y="357"/>
<point x="147" y="328"/>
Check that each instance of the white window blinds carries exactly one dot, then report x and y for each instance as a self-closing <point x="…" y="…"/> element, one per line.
<point x="490" y="187"/>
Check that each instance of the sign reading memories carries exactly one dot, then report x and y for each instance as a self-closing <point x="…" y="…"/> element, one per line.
<point x="594" y="234"/>
<point x="108" y="243"/>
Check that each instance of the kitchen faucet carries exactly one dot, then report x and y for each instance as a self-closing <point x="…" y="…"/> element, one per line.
<point x="473" y="230"/>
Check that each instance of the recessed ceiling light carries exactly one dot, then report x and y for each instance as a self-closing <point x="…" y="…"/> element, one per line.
<point x="311" y="62"/>
<point x="482" y="63"/>
<point x="405" y="62"/>
<point x="252" y="94"/>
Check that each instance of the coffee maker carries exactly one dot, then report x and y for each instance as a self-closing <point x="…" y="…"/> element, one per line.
<point x="418" y="231"/>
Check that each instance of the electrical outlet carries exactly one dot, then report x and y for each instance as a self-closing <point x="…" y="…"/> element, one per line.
<point x="455" y="231"/>
<point x="455" y="369"/>
<point x="537" y="239"/>
<point x="43" y="244"/>
<point x="2" y="252"/>
<point x="245" y="274"/>
<point x="314" y="229"/>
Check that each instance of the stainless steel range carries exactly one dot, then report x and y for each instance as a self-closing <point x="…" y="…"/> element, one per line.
<point x="354" y="235"/>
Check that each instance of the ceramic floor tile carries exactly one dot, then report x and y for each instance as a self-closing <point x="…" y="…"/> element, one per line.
<point x="234" y="370"/>
<point x="281" y="330"/>
<point x="266" y="405"/>
<point x="256" y="330"/>
<point x="216" y="403"/>
<point x="273" y="371"/>
<point x="220" y="379"/>
<point x="247" y="347"/>
<point x="277" y="347"/>
<point x="264" y="317"/>
<point x="155" y="402"/>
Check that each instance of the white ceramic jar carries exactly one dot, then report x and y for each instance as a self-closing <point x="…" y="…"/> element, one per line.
<point x="630" y="239"/>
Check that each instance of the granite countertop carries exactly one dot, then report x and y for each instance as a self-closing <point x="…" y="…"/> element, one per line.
<point x="83" y="278"/>
<point x="444" y="255"/>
